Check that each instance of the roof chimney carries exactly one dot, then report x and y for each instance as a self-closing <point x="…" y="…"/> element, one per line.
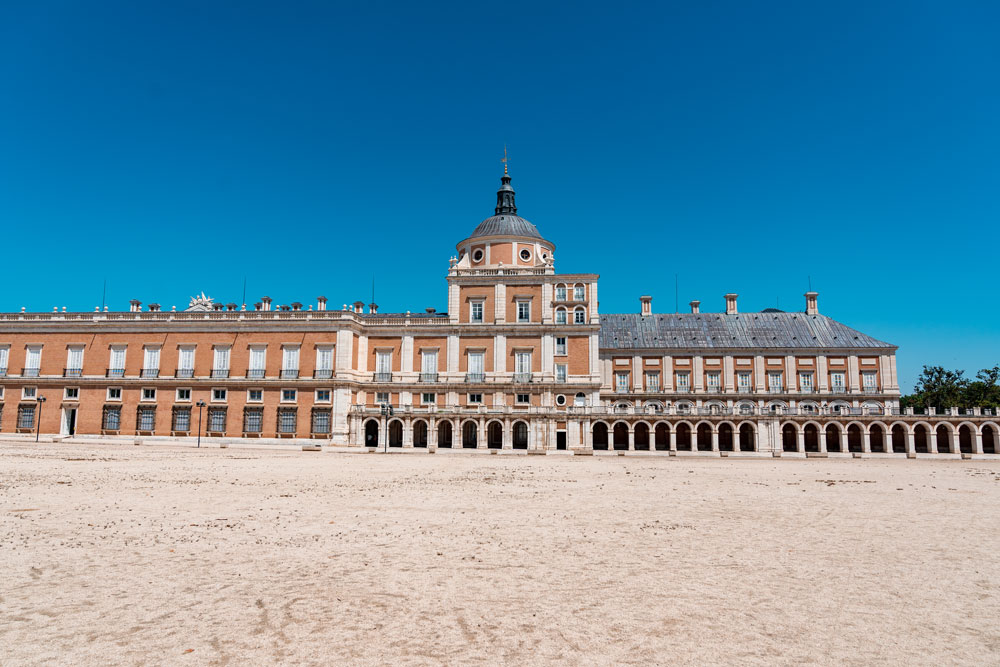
<point x="731" y="304"/>
<point x="359" y="307"/>
<point x="135" y="306"/>
<point x="266" y="301"/>
<point x="296" y="305"/>
<point x="154" y="307"/>
<point x="645" y="305"/>
<point x="372" y="307"/>
<point x="321" y="303"/>
<point x="696" y="307"/>
<point x="811" y="307"/>
<point x="430" y="311"/>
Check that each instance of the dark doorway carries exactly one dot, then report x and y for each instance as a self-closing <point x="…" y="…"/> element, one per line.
<point x="371" y="434"/>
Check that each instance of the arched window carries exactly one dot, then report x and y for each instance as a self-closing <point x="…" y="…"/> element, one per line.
<point x="560" y="316"/>
<point x="578" y="292"/>
<point x="579" y="316"/>
<point x="580" y="400"/>
<point x="560" y="292"/>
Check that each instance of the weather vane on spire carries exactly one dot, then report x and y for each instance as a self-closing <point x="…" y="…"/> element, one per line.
<point x="504" y="159"/>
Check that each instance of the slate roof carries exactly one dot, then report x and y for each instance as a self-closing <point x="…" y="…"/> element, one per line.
<point x="719" y="330"/>
<point x="506" y="224"/>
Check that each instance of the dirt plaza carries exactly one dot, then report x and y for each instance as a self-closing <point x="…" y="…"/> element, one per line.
<point x="121" y="554"/>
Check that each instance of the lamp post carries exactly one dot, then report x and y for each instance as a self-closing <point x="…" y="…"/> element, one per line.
<point x="200" y="405"/>
<point x="38" y="422"/>
<point x="386" y="411"/>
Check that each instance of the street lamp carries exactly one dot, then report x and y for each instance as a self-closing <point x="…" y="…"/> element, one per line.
<point x="38" y="422"/>
<point x="200" y="405"/>
<point x="386" y="411"/>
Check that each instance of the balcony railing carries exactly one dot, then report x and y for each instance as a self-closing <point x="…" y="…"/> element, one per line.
<point x="115" y="373"/>
<point x="184" y="373"/>
<point x="805" y="390"/>
<point x="775" y="390"/>
<point x="621" y="390"/>
<point x="475" y="377"/>
<point x="220" y="372"/>
<point x="289" y="373"/>
<point x="683" y="390"/>
<point x="323" y="374"/>
<point x="72" y="372"/>
<point x="428" y="377"/>
<point x="255" y="373"/>
<point x="149" y="373"/>
<point x="869" y="390"/>
<point x="838" y="389"/>
<point x="714" y="389"/>
<point x="29" y="372"/>
<point x="3" y="371"/>
<point x="523" y="378"/>
<point x="382" y="377"/>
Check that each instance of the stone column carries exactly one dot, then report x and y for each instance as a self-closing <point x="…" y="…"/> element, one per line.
<point x="715" y="437"/>
<point x="821" y="438"/>
<point x="800" y="440"/>
<point x="673" y="438"/>
<point x="844" y="447"/>
<point x="911" y="441"/>
<point x="932" y="440"/>
<point x="631" y="437"/>
<point x="956" y="447"/>
<point x="408" y="432"/>
<point x="508" y="439"/>
<point x="432" y="433"/>
<point x="481" y="435"/>
<point x="866" y="441"/>
<point x="977" y="442"/>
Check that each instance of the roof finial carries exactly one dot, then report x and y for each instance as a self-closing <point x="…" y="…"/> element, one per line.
<point x="504" y="159"/>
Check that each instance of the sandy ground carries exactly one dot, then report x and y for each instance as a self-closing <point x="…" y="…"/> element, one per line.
<point x="128" y="555"/>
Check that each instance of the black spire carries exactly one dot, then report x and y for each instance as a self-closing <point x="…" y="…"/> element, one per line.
<point x="505" y="195"/>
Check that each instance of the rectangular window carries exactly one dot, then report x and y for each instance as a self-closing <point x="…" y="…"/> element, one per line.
<point x="806" y="383"/>
<point x="114" y="393"/>
<point x="868" y="381"/>
<point x="29" y="393"/>
<point x="382" y="398"/>
<point x="476" y="360"/>
<point x="837" y="382"/>
<point x="774" y="383"/>
<point x="561" y="293"/>
<point x="182" y="420"/>
<point x="290" y="362"/>
<point x="743" y="382"/>
<point x="522" y="363"/>
<point x="219" y="395"/>
<point x="652" y="382"/>
<point x="683" y="382"/>
<point x="428" y="365"/>
<point x="288" y="395"/>
<point x="148" y="394"/>
<point x="255" y="395"/>
<point x="116" y="365"/>
<point x="286" y="421"/>
<point x="476" y="312"/>
<point x="74" y="362"/>
<point x="183" y="395"/>
<point x="560" y="316"/>
<point x="185" y="361"/>
<point x="150" y="361"/>
<point x="258" y="361"/>
<point x="217" y="420"/>
<point x="428" y="399"/>
<point x="475" y="398"/>
<point x="579" y="316"/>
<point x="560" y="372"/>
<point x="321" y="421"/>
<point x="621" y="383"/>
<point x="561" y="345"/>
<point x="71" y="393"/>
<point x="147" y="419"/>
<point x="383" y="365"/>
<point x="4" y="358"/>
<point x="713" y="381"/>
<point x="32" y="361"/>
<point x="112" y="419"/>
<point x="322" y="396"/>
<point x="578" y="293"/>
<point x="26" y="416"/>
<point x="324" y="362"/>
<point x="253" y="420"/>
<point x="220" y="362"/>
<point x="523" y="311"/>
<point x="523" y="399"/>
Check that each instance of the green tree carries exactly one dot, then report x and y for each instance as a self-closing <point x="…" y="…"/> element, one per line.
<point x="941" y="388"/>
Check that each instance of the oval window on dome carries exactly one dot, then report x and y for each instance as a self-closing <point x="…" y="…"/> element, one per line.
<point x="525" y="254"/>
<point x="477" y="255"/>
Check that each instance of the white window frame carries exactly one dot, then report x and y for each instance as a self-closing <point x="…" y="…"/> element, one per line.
<point x="109" y="397"/>
<point x="258" y="359"/>
<point x="118" y="364"/>
<point x="561" y="347"/>
<point x="713" y="381"/>
<point x="561" y="316"/>
<point x="293" y="399"/>
<point x="225" y="395"/>
<point x="475" y="401"/>
<point x="579" y="315"/>
<point x="382" y="397"/>
<point x="324" y="401"/>
<point x="383" y="361"/>
<point x="653" y="386"/>
<point x="251" y="399"/>
<point x="806" y="384"/>
<point x="683" y="382"/>
<point x="773" y="386"/>
<point x="429" y="361"/>
<point x="177" y="395"/>
<point x="560" y="293"/>
<point x="423" y="398"/>
<point x="481" y="303"/>
<point x="325" y="358"/>
<point x="71" y="352"/>
<point x="834" y="384"/>
<point x="29" y="393"/>
<point x="151" y="357"/>
<point x="562" y="373"/>
<point x="523" y="311"/>
<point x="480" y="356"/>
<point x="869" y="380"/>
<point x="290" y="358"/>
<point x="4" y="358"/>
<point x="144" y="398"/>
<point x="744" y="381"/>
<point x="579" y="293"/>
<point x="221" y="357"/>
<point x="526" y="401"/>
<point x="33" y="354"/>
<point x="185" y="358"/>
<point x="522" y="362"/>
<point x="621" y="383"/>
<point x="67" y="390"/>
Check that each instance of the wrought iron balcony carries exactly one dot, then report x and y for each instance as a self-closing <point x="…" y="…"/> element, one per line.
<point x="289" y="373"/>
<point x="220" y="372"/>
<point x="621" y="390"/>
<point x="255" y="373"/>
<point x="428" y="377"/>
<point x="115" y="373"/>
<point x="475" y="377"/>
<point x="523" y="378"/>
<point x="382" y="377"/>
<point x="149" y="373"/>
<point x="72" y="372"/>
<point x="323" y="374"/>
<point x="184" y="373"/>
<point x="29" y="372"/>
<point x="3" y="371"/>
<point x="838" y="389"/>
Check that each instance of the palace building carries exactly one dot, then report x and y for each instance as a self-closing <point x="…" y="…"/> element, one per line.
<point x="523" y="359"/>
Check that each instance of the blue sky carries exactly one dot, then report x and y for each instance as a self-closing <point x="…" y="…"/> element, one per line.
<point x="748" y="147"/>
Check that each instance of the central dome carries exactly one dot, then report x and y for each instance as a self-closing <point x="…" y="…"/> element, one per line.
<point x="506" y="224"/>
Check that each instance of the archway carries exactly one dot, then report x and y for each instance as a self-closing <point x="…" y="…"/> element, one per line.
<point x="600" y="436"/>
<point x="965" y="439"/>
<point x="661" y="437"/>
<point x="747" y="443"/>
<point x="494" y="435"/>
<point x="371" y="433"/>
<point x="876" y="438"/>
<point x="832" y="438"/>
<point x="420" y="433"/>
<point x="469" y="433"/>
<point x="943" y="439"/>
<point x="621" y="435"/>
<point x="395" y="433"/>
<point x="789" y="438"/>
<point x="921" y="439"/>
<point x="725" y="437"/>
<point x="641" y="436"/>
<point x="520" y="435"/>
<point x="899" y="439"/>
<point x="854" y="438"/>
<point x="444" y="434"/>
<point x="989" y="439"/>
<point x="704" y="435"/>
<point x="683" y="437"/>
<point x="811" y="438"/>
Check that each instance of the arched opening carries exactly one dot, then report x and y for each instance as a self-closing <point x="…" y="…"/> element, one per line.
<point x="580" y="400"/>
<point x="811" y="438"/>
<point x="371" y="433"/>
<point x="747" y="443"/>
<point x="704" y="437"/>
<point x="876" y="438"/>
<point x="789" y="438"/>
<point x="683" y="437"/>
<point x="725" y="437"/>
<point x="621" y="435"/>
<point x="832" y="438"/>
<point x="444" y="434"/>
<point x="600" y="436"/>
<point x="965" y="438"/>
<point x="395" y="433"/>
<point x="943" y="439"/>
<point x="494" y="435"/>
<point x="520" y="435"/>
<point x="420" y="433"/>
<point x="899" y="439"/>
<point x="921" y="441"/>
<point x="641" y="436"/>
<point x="989" y="440"/>
<point x="854" y="438"/>
<point x="661" y="437"/>
<point x="469" y="433"/>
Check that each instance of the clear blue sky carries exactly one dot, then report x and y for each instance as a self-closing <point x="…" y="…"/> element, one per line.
<point x="177" y="147"/>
